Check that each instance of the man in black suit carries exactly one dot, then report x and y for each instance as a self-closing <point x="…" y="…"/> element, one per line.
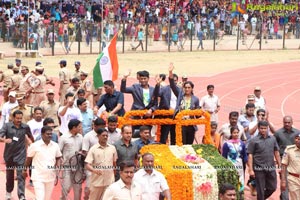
<point x="144" y="96"/>
<point x="168" y="101"/>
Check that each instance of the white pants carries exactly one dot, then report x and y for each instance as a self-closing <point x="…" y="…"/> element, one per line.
<point x="43" y="190"/>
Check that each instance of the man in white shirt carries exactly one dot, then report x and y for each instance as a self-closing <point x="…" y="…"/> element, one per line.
<point x="253" y="24"/>
<point x="260" y="101"/>
<point x="211" y="103"/>
<point x="67" y="113"/>
<point x="44" y="155"/>
<point x="151" y="181"/>
<point x="12" y="102"/>
<point x="36" y="124"/>
<point x="125" y="188"/>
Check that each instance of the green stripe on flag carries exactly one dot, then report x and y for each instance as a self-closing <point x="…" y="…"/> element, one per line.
<point x="97" y="77"/>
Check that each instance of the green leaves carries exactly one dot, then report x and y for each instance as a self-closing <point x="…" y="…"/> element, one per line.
<point x="226" y="171"/>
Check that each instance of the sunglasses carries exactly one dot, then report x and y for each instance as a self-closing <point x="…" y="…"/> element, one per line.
<point x="261" y="115"/>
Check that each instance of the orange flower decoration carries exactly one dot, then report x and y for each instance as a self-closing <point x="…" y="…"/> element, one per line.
<point x="179" y="178"/>
<point x="204" y="118"/>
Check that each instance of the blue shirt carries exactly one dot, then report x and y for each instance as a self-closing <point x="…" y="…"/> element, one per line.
<point x="140" y="35"/>
<point x="54" y="137"/>
<point x="87" y="121"/>
<point x="111" y="101"/>
<point x="140" y="143"/>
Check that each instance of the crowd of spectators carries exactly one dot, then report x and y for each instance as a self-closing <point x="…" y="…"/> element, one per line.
<point x="82" y="21"/>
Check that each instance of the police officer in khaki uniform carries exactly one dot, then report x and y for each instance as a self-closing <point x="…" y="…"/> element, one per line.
<point x="97" y="93"/>
<point x="64" y="77"/>
<point x="38" y="84"/>
<point x="87" y="85"/>
<point x="18" y="62"/>
<point x="6" y="78"/>
<point x="77" y="72"/>
<point x="15" y="80"/>
<point x="25" y="83"/>
<point x="27" y="110"/>
<point x="50" y="107"/>
<point x="49" y="80"/>
<point x="291" y="169"/>
<point x="75" y="85"/>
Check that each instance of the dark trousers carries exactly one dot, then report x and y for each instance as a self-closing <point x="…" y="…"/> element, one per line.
<point x="284" y="195"/>
<point x="165" y="129"/>
<point x="10" y="172"/>
<point x="140" y="44"/>
<point x="266" y="183"/>
<point x="188" y="134"/>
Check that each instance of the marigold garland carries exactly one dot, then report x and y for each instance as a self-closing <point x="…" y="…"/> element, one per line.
<point x="179" y="181"/>
<point x="204" y="118"/>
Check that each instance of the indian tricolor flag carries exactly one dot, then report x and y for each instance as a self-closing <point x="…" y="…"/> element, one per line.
<point x="107" y="65"/>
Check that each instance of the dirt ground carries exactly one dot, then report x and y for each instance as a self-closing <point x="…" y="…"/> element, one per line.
<point x="204" y="63"/>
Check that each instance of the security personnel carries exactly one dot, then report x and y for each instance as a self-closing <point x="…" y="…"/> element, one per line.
<point x="64" y="77"/>
<point x="15" y="80"/>
<point x="26" y="109"/>
<point x="49" y="80"/>
<point x="87" y="85"/>
<point x="6" y="78"/>
<point x="291" y="169"/>
<point x="25" y="83"/>
<point x="18" y="62"/>
<point x="38" y="85"/>
<point x="77" y="72"/>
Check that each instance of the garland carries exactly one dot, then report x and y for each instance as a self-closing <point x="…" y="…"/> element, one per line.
<point x="179" y="178"/>
<point x="179" y="121"/>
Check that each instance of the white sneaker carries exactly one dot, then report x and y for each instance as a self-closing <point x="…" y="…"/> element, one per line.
<point x="8" y="196"/>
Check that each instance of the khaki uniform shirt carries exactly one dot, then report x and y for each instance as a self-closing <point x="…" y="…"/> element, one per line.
<point x="64" y="75"/>
<point x="291" y="159"/>
<point x="40" y="88"/>
<point x="6" y="77"/>
<point x="38" y="94"/>
<point x="27" y="111"/>
<point x="24" y="83"/>
<point x="88" y="87"/>
<point x="77" y="74"/>
<point x="50" y="110"/>
<point x="102" y="158"/>
<point x="71" y="89"/>
<point x="15" y="82"/>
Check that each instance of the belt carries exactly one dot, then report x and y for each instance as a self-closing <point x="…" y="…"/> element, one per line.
<point x="295" y="175"/>
<point x="37" y="92"/>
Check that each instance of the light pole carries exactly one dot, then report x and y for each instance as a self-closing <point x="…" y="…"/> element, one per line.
<point x="27" y="39"/>
<point x="102" y="16"/>
<point x="169" y="26"/>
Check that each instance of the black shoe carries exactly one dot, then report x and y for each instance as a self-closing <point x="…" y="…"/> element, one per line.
<point x="22" y="198"/>
<point x="31" y="183"/>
